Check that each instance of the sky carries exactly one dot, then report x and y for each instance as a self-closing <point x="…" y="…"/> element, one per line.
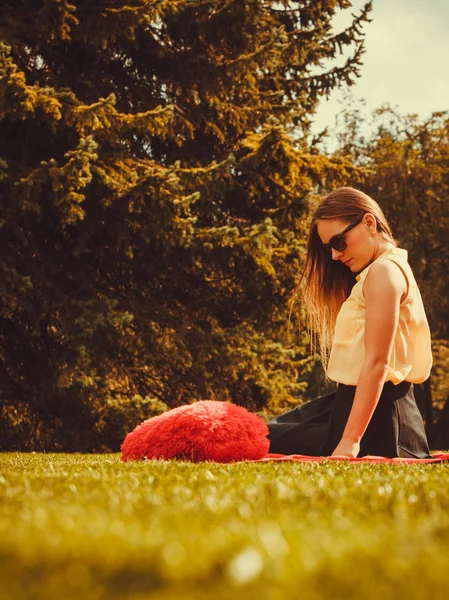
<point x="406" y="62"/>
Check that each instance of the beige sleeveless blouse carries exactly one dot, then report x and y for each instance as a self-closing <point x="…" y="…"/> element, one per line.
<point x="411" y="358"/>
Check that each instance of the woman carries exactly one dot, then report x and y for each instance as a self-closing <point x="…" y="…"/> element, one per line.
<point x="365" y="307"/>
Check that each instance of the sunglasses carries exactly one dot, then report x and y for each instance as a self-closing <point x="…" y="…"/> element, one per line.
<point x="338" y="241"/>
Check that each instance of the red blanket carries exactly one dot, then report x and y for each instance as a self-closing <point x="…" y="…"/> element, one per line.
<point x="399" y="460"/>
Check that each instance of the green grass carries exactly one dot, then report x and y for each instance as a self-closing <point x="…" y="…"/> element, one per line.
<point x="89" y="527"/>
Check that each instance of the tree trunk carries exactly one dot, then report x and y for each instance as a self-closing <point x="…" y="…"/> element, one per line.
<point x="441" y="429"/>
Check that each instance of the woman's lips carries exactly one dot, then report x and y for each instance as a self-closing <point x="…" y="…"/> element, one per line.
<point x="348" y="261"/>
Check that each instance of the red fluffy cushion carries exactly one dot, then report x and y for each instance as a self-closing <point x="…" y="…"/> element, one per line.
<point x="205" y="430"/>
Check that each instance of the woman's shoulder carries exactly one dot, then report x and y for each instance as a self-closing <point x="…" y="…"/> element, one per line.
<point x="383" y="269"/>
<point x="386" y="276"/>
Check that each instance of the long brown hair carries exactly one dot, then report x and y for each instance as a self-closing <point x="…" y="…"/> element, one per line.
<point x="325" y="283"/>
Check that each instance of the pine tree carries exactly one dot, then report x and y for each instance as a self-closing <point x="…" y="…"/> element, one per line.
<point x="156" y="171"/>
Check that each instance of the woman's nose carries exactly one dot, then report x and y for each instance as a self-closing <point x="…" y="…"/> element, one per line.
<point x="336" y="254"/>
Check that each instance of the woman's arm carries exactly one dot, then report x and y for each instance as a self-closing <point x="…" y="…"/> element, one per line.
<point x="383" y="291"/>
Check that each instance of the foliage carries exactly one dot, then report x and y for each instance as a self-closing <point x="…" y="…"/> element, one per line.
<point x="440" y="372"/>
<point x="154" y="181"/>
<point x="92" y="527"/>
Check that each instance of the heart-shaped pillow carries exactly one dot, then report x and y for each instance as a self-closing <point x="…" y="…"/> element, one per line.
<point x="205" y="430"/>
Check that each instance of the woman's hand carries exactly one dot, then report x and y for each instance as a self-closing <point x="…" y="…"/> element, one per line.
<point x="347" y="448"/>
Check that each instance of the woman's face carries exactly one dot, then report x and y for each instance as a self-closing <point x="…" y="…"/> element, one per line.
<point x="360" y="240"/>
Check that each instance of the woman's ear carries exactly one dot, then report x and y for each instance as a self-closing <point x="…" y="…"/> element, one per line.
<point x="370" y="222"/>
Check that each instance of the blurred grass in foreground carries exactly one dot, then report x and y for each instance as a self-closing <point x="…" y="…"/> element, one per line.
<point x="90" y="527"/>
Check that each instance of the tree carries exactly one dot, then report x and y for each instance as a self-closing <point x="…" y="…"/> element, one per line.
<point x="155" y="177"/>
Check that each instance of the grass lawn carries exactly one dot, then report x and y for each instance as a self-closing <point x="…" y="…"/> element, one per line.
<point x="90" y="527"/>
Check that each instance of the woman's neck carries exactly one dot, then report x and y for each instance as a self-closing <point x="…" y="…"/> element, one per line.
<point x="382" y="247"/>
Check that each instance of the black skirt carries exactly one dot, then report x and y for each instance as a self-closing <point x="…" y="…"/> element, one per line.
<point x="315" y="428"/>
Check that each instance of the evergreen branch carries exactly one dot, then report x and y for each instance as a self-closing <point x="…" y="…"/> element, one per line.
<point x="347" y="36"/>
<point x="284" y="11"/>
<point x="325" y="82"/>
<point x="226" y="5"/>
<point x="279" y="38"/>
<point x="144" y="7"/>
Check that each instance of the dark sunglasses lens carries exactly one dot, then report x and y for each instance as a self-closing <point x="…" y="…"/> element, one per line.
<point x="339" y="244"/>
